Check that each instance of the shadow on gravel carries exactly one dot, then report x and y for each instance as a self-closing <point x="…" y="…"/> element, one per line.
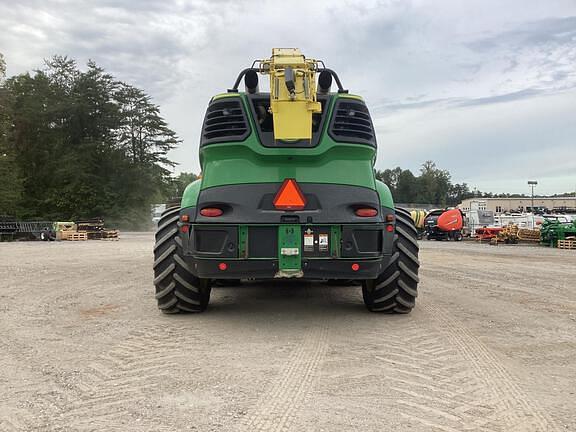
<point x="290" y="299"/>
<point x="284" y="310"/>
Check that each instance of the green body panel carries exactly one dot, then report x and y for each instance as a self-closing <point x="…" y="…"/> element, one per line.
<point x="289" y="236"/>
<point x="242" y="241"/>
<point x="190" y="195"/>
<point x="384" y="194"/>
<point x="335" y="236"/>
<point x="238" y="163"/>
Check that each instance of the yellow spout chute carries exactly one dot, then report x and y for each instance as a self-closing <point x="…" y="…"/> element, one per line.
<point x="292" y="93"/>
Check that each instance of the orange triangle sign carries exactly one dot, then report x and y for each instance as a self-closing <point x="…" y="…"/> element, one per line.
<point x="289" y="197"/>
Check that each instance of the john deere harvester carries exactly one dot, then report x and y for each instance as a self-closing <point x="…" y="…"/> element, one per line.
<point x="287" y="191"/>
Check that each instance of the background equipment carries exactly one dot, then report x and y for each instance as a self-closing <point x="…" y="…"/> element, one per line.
<point x="444" y="225"/>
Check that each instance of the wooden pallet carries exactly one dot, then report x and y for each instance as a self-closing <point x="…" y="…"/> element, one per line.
<point x="74" y="236"/>
<point x="110" y="235"/>
<point x="566" y="244"/>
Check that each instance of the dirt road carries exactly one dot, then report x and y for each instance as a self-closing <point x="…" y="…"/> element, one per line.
<point x="490" y="347"/>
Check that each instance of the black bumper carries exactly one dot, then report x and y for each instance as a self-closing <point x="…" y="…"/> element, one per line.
<point x="312" y="269"/>
<point x="256" y="251"/>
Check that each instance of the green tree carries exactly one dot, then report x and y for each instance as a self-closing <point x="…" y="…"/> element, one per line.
<point x="180" y="183"/>
<point x="434" y="184"/>
<point x="407" y="187"/>
<point x="143" y="134"/>
<point x="10" y="179"/>
<point x="457" y="193"/>
<point x="390" y="178"/>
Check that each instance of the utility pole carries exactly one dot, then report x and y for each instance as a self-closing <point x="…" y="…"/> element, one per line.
<point x="532" y="184"/>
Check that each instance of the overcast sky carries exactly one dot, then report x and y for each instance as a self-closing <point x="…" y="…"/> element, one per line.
<point x="486" y="89"/>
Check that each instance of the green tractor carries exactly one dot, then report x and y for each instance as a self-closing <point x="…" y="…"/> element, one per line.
<point x="553" y="230"/>
<point x="287" y="191"/>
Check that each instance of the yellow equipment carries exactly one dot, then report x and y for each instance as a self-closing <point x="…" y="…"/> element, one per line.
<point x="418" y="217"/>
<point x="512" y="234"/>
<point x="529" y="234"/>
<point x="292" y="93"/>
<point x="508" y="235"/>
<point x="64" y="226"/>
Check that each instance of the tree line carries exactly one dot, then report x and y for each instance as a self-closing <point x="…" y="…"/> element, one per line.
<point x="78" y="143"/>
<point x="432" y="186"/>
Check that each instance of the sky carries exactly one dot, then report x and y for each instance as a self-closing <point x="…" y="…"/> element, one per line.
<point x="486" y="89"/>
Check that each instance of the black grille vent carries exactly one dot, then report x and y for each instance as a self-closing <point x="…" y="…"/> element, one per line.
<point x="225" y="121"/>
<point x="351" y="122"/>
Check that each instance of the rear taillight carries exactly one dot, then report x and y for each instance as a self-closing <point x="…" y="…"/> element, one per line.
<point x="366" y="212"/>
<point x="211" y="212"/>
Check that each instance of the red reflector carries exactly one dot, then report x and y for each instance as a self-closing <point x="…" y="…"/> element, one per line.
<point x="222" y="266"/>
<point x="389" y="228"/>
<point x="185" y="228"/>
<point x="355" y="267"/>
<point x="366" y="212"/>
<point x="211" y="212"/>
<point x="289" y="197"/>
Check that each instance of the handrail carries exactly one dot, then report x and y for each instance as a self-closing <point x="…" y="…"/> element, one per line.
<point x="234" y="88"/>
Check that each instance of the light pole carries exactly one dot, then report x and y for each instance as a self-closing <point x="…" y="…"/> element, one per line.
<point x="532" y="184"/>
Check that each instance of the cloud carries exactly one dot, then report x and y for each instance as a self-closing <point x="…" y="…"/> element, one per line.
<point x="556" y="31"/>
<point x="457" y="102"/>
<point x="495" y="147"/>
<point x="146" y="43"/>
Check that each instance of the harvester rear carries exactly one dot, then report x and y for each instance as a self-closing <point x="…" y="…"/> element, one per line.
<point x="287" y="191"/>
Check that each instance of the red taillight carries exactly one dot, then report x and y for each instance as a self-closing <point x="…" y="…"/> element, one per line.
<point x="211" y="212"/>
<point x="355" y="267"/>
<point x="366" y="212"/>
<point x="222" y="266"/>
<point x="389" y="228"/>
<point x="185" y="228"/>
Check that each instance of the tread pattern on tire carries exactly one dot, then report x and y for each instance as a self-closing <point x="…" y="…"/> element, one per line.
<point x="396" y="289"/>
<point x="177" y="289"/>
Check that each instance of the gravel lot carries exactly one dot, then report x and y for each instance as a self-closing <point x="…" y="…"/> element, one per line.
<point x="491" y="346"/>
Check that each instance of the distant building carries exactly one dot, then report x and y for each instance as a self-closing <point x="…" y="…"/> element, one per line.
<point x="504" y="205"/>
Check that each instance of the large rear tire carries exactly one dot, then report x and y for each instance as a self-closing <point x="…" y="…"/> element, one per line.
<point x="177" y="289"/>
<point x="396" y="289"/>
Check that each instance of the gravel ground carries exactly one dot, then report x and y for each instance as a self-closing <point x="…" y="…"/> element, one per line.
<point x="491" y="346"/>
